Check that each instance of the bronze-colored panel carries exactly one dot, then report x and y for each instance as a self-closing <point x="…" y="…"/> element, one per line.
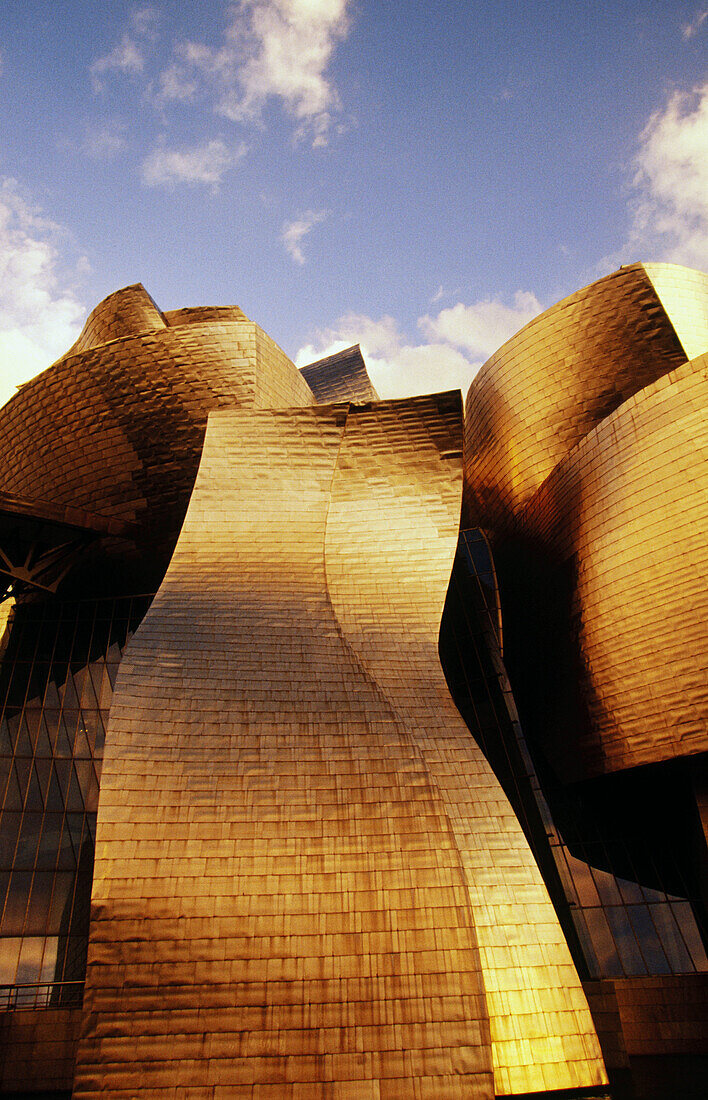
<point x="623" y="519"/>
<point x="307" y="877"/>
<point x="118" y="428"/>
<point x="548" y="386"/>
<point x="192" y="315"/>
<point x="340" y="377"/>
<point x="127" y="312"/>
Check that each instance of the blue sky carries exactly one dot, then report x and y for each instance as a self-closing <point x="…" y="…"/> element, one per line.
<point x="419" y="177"/>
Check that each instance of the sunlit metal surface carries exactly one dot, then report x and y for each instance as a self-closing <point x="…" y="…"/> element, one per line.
<point x="340" y="377"/>
<point x="628" y="507"/>
<point x="307" y="876"/>
<point x="116" y="425"/>
<point x="548" y="386"/>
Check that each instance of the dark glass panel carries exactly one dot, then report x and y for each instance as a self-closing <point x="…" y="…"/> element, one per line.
<point x="62" y="769"/>
<point x="671" y="939"/>
<point x="14" y="797"/>
<point x="33" y="800"/>
<point x="38" y="908"/>
<point x="5" y="739"/>
<point x="687" y="923"/>
<point x="16" y="905"/>
<point x="60" y="901"/>
<point x="4" y="884"/>
<point x="605" y="944"/>
<point x="66" y="856"/>
<point x="82" y="749"/>
<point x="26" y="851"/>
<point x="629" y="952"/>
<point x="43" y="748"/>
<point x="29" y="728"/>
<point x="74" y="800"/>
<point x="23" y="771"/>
<point x="648" y="940"/>
<point x="49" y="842"/>
<point x="54" y="802"/>
<point x="631" y="892"/>
<point x="9" y="832"/>
<point x="43" y="768"/>
<point x="64" y="739"/>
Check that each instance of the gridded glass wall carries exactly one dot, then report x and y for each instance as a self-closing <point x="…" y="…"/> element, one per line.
<point x="623" y="889"/>
<point x="58" y="670"/>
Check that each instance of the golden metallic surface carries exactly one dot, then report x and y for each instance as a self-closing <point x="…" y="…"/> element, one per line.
<point x="116" y="426"/>
<point x="308" y="881"/>
<point x="340" y="377"/>
<point x="630" y="505"/>
<point x="548" y="386"/>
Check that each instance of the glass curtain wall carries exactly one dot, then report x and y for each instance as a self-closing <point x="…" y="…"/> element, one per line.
<point x="57" y="673"/>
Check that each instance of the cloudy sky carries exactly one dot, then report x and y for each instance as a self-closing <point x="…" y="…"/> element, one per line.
<point x="419" y="177"/>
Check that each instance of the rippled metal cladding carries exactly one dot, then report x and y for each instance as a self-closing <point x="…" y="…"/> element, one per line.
<point x="308" y="880"/>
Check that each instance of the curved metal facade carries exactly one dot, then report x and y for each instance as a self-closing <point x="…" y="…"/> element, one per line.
<point x="116" y="426"/>
<point x="584" y="461"/>
<point x="308" y="878"/>
<point x="628" y="507"/>
<point x="285" y="768"/>
<point x="548" y="386"/>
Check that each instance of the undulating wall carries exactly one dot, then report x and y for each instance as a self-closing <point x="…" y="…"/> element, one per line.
<point x="585" y="463"/>
<point x="308" y="880"/>
<point x="552" y="382"/>
<point x="629" y="507"/>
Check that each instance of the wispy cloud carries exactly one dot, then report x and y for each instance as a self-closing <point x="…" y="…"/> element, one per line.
<point x="201" y="164"/>
<point x="670" y="183"/>
<point x="173" y="85"/>
<point x="294" y="232"/>
<point x="272" y="50"/>
<point x="40" y="315"/>
<point x="691" y="29"/>
<point x="128" y="56"/>
<point x="145" y="20"/>
<point x="125" y="57"/>
<point x="459" y="340"/>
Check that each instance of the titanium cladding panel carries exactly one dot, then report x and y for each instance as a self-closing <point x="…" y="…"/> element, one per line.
<point x="307" y="877"/>
<point x="549" y="385"/>
<point x="630" y="506"/>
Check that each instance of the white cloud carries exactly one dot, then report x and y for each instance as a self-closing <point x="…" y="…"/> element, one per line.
<point x="460" y="339"/>
<point x="272" y="49"/>
<point x="670" y="206"/>
<point x="145" y="21"/>
<point x="202" y="164"/>
<point x="294" y="232"/>
<point x="174" y="86"/>
<point x="39" y="318"/>
<point x="690" y="30"/>
<point x="126" y="57"/>
<point x="483" y="327"/>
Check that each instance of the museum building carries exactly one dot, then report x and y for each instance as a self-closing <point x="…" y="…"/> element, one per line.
<point x="397" y="711"/>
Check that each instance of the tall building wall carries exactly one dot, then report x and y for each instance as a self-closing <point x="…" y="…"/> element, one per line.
<point x="309" y="879"/>
<point x="295" y="823"/>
